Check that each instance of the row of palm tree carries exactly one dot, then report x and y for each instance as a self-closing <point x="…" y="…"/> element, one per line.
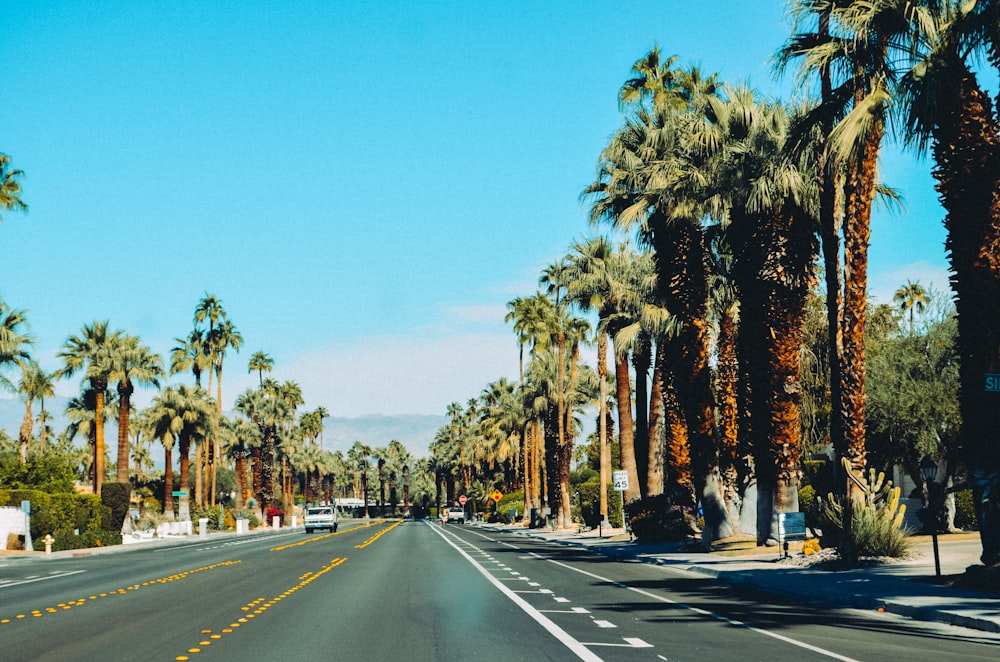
<point x="732" y="199"/>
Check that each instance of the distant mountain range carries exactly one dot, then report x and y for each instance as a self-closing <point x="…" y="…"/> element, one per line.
<point x="415" y="432"/>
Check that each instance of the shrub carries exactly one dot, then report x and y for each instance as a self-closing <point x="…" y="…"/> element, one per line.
<point x="590" y="493"/>
<point x="117" y="497"/>
<point x="875" y="526"/>
<point x="657" y="519"/>
<point x="965" y="510"/>
<point x="51" y="512"/>
<point x="808" y="505"/>
<point x="68" y="539"/>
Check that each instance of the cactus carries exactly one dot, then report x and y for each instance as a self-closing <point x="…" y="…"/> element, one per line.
<point x="869" y="526"/>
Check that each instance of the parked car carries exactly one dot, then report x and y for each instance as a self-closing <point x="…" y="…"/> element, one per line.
<point x="455" y="514"/>
<point x="321" y="517"/>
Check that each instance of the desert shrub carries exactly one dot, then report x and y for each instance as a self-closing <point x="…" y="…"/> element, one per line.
<point x="965" y="510"/>
<point x="869" y="527"/>
<point x="657" y="519"/>
<point x="808" y="505"/>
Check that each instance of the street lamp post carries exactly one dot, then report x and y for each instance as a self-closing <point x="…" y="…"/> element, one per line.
<point x="928" y="471"/>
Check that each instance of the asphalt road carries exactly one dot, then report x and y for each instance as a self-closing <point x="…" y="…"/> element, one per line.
<point x="420" y="591"/>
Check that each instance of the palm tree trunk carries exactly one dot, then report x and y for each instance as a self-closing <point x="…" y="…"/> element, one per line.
<point x="124" y="402"/>
<point x="168" y="482"/>
<point x="602" y="423"/>
<point x="98" y="439"/>
<point x="967" y="158"/>
<point x="24" y="435"/>
<point x="626" y="431"/>
<point x="654" y="463"/>
<point x="185" y="480"/>
<point x="641" y="361"/>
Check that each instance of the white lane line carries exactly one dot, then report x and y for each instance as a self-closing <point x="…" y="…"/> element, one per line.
<point x="630" y="642"/>
<point x="564" y="637"/>
<point x="574" y="610"/>
<point x="561" y="599"/>
<point x="33" y="579"/>
<point x="605" y="624"/>
<point x="703" y="612"/>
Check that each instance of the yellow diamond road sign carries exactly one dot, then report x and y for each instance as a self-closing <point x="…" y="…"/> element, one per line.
<point x="496" y="496"/>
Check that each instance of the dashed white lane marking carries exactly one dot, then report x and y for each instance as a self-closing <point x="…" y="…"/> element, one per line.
<point x="35" y="578"/>
<point x="574" y="610"/>
<point x="564" y="637"/>
<point x="561" y="599"/>
<point x="709" y="614"/>
<point x="605" y="624"/>
<point x="630" y="642"/>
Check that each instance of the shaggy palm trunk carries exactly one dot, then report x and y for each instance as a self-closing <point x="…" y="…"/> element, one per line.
<point x="242" y="491"/>
<point x="679" y="483"/>
<point x="98" y="437"/>
<point x="185" y="479"/>
<point x="857" y="232"/>
<point x="168" y="482"/>
<point x="124" y="401"/>
<point x="727" y="372"/>
<point x="24" y="435"/>
<point x="967" y="157"/>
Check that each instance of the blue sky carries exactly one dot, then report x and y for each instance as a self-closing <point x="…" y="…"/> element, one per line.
<point x="364" y="185"/>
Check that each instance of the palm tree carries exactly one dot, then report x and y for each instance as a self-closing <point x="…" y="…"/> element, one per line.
<point x="14" y="339"/>
<point x="10" y="187"/>
<point x="358" y="456"/>
<point x="129" y="364"/>
<point x="948" y="110"/>
<point x="910" y="297"/>
<point x="34" y="383"/>
<point x="857" y="41"/>
<point x="90" y="352"/>
<point x="649" y="180"/>
<point x="82" y="414"/>
<point x="190" y="354"/>
<point x="223" y="337"/>
<point x="262" y="363"/>
<point x="195" y="410"/>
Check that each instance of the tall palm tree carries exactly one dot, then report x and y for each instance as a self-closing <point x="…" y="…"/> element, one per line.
<point x="34" y="383"/>
<point x="649" y="181"/>
<point x="90" y="353"/>
<point x="194" y="408"/>
<point x="911" y="297"/>
<point x="592" y="287"/>
<point x="222" y="338"/>
<point x="853" y="51"/>
<point x="950" y="111"/>
<point x="14" y="339"/>
<point x="10" y="187"/>
<point x="129" y="364"/>
<point x="262" y="363"/>
<point x="81" y="412"/>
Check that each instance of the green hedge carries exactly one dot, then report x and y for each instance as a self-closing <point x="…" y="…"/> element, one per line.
<point x="62" y="512"/>
<point x="117" y="497"/>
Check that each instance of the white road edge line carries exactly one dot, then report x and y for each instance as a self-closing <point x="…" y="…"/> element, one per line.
<point x="564" y="637"/>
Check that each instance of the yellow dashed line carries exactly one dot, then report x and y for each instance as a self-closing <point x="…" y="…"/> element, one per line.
<point x="377" y="535"/>
<point x="326" y="535"/>
<point x="261" y="605"/>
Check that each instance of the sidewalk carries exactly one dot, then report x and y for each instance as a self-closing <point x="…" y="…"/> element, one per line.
<point x="905" y="588"/>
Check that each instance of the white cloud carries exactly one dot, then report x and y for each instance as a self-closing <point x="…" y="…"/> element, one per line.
<point x="397" y="374"/>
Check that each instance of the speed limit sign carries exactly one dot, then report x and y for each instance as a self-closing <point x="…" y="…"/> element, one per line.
<point x="620" y="480"/>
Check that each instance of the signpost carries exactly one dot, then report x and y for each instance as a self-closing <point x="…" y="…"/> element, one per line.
<point x="992" y="383"/>
<point x="619" y="480"/>
<point x="791" y="526"/>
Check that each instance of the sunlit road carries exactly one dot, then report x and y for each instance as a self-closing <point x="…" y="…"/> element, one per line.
<point x="420" y="591"/>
